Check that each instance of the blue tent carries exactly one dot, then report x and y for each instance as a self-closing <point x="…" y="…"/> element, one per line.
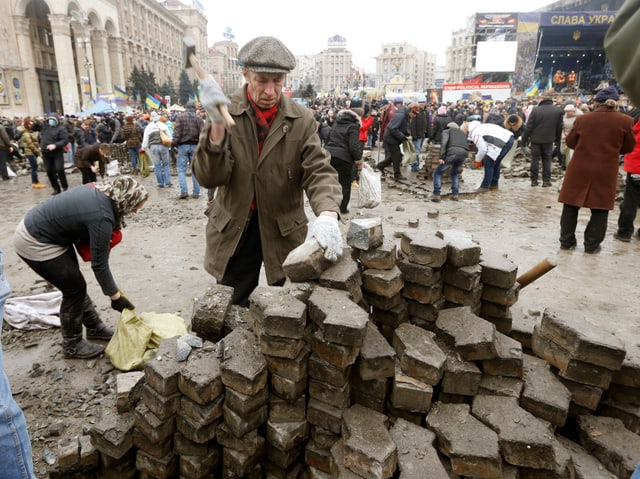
<point x="99" y="107"/>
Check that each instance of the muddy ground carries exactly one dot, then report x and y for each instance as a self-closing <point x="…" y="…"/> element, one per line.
<point x="159" y="267"/>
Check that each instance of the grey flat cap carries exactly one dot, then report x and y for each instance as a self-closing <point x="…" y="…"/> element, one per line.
<point x="266" y="54"/>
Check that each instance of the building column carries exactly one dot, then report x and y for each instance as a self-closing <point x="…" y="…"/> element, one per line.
<point x="101" y="62"/>
<point x="31" y="90"/>
<point x="116" y="54"/>
<point x="67" y="75"/>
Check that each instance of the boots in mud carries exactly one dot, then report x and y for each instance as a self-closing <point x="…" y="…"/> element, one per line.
<point x="96" y="329"/>
<point x="73" y="345"/>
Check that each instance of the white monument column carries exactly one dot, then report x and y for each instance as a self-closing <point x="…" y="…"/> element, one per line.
<point x="31" y="90"/>
<point x="116" y="54"/>
<point x="101" y="61"/>
<point x="67" y="75"/>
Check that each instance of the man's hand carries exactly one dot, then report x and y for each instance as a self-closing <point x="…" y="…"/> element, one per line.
<point x="327" y="232"/>
<point x="211" y="97"/>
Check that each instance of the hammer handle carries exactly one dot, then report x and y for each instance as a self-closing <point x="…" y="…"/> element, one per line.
<point x="201" y="74"/>
<point x="542" y="268"/>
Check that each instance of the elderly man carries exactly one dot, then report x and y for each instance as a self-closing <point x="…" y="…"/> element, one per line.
<point x="263" y="166"/>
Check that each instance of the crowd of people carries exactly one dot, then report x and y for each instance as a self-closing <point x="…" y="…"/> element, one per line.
<point x="278" y="153"/>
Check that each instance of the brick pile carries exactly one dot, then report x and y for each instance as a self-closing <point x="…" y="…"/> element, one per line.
<point x="398" y="359"/>
<point x="430" y="155"/>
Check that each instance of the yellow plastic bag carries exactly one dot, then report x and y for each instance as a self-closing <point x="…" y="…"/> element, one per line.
<point x="145" y="161"/>
<point x="137" y="337"/>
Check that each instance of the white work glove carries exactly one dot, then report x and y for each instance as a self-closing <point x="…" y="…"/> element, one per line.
<point x="211" y="97"/>
<point x="327" y="232"/>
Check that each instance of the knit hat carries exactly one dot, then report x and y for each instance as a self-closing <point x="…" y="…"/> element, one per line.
<point x="154" y="116"/>
<point x="266" y="54"/>
<point x="609" y="93"/>
<point x="442" y="110"/>
<point x="569" y="107"/>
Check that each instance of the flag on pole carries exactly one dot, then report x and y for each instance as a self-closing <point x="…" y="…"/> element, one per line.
<point x="120" y="93"/>
<point x="533" y="89"/>
<point x="152" y="102"/>
<point x="550" y="82"/>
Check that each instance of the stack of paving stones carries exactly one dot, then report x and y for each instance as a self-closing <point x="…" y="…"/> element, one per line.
<point x="431" y="156"/>
<point x="374" y="371"/>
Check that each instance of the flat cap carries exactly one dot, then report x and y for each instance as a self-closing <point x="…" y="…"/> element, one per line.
<point x="266" y="54"/>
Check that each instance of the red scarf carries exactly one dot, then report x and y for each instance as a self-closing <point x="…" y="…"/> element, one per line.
<point x="264" y="119"/>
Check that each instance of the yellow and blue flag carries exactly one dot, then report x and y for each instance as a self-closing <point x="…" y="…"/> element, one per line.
<point x="151" y="102"/>
<point x="120" y="93"/>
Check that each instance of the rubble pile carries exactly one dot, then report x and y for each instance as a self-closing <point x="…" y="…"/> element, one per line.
<point x="401" y="358"/>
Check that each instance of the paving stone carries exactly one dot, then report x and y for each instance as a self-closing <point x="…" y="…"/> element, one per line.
<point x="345" y="275"/>
<point x="584" y="341"/>
<point x="424" y="315"/>
<point x="583" y="394"/>
<point x="113" y="434"/>
<point x="375" y="387"/>
<point x="504" y="296"/>
<point x="68" y="454"/>
<point x="341" y="320"/>
<point x="471" y="446"/>
<point x="280" y="347"/>
<point x="201" y="376"/>
<point x="508" y="361"/>
<point x="244" y="463"/>
<point x="543" y="394"/>
<point x="245" y="404"/>
<point x="382" y="302"/>
<point x="287" y="388"/>
<point x="562" y="467"/>
<point x="524" y="440"/>
<point x="248" y="442"/>
<point x="327" y="372"/>
<point x="287" y="435"/>
<point x="617" y="448"/>
<point x="369" y="449"/>
<point x="420" y="357"/>
<point x="89" y="455"/>
<point x="337" y="355"/>
<point x="377" y="357"/>
<point x="393" y="317"/>
<point x="522" y="325"/>
<point x="423" y="294"/>
<point x="294" y="369"/>
<point x="498" y="270"/>
<point x="161" y="372"/>
<point x="279" y="315"/>
<point x="201" y="413"/>
<point x="160" y="468"/>
<point x="466" y="278"/>
<point x="323" y="438"/>
<point x="423" y="248"/>
<point x="420" y="274"/>
<point x="586" y="466"/>
<point x="324" y="415"/>
<point x="383" y="282"/>
<point x="163" y="407"/>
<point x="285" y="411"/>
<point x="243" y="366"/>
<point x="154" y="428"/>
<point x="237" y="317"/>
<point x="187" y="447"/>
<point x="461" y="249"/>
<point x="240" y="424"/>
<point x="154" y="448"/>
<point x="629" y="414"/>
<point x="128" y="390"/>
<point x="367" y="400"/>
<point x="410" y="394"/>
<point x="495" y="310"/>
<point x="209" y="311"/>
<point x="318" y="458"/>
<point x="305" y="262"/>
<point x="382" y="257"/>
<point x="282" y="464"/>
<point x="194" y="430"/>
<point x="472" y="336"/>
<point x="624" y="394"/>
<point x="365" y="233"/>
<point x="500" y="386"/>
<point x="338" y="466"/>
<point x="460" y="376"/>
<point x="461" y="297"/>
<point x="336" y="396"/>
<point x="629" y="374"/>
<point x="197" y="467"/>
<point x="416" y="452"/>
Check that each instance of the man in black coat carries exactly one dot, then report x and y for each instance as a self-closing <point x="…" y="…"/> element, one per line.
<point x="543" y="128"/>
<point x="53" y="140"/>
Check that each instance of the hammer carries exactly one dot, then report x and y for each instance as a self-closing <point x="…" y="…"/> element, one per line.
<point x="192" y="62"/>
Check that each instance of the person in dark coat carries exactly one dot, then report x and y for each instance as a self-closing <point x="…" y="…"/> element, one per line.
<point x="53" y="140"/>
<point x="90" y="160"/>
<point x="543" y="128"/>
<point x="598" y="139"/>
<point x="346" y="150"/>
<point x="394" y="135"/>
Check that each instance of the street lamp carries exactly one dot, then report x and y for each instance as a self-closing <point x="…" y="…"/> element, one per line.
<point x="84" y="43"/>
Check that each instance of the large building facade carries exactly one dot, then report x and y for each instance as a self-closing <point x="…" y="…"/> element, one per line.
<point x="65" y="52"/>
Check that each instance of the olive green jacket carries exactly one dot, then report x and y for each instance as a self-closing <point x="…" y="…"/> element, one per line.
<point x="621" y="46"/>
<point x="291" y="164"/>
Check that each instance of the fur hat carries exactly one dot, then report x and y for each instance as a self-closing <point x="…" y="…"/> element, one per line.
<point x="513" y="122"/>
<point x="609" y="93"/>
<point x="266" y="54"/>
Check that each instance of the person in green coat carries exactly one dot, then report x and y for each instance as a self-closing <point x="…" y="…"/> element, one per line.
<point x="621" y="46"/>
